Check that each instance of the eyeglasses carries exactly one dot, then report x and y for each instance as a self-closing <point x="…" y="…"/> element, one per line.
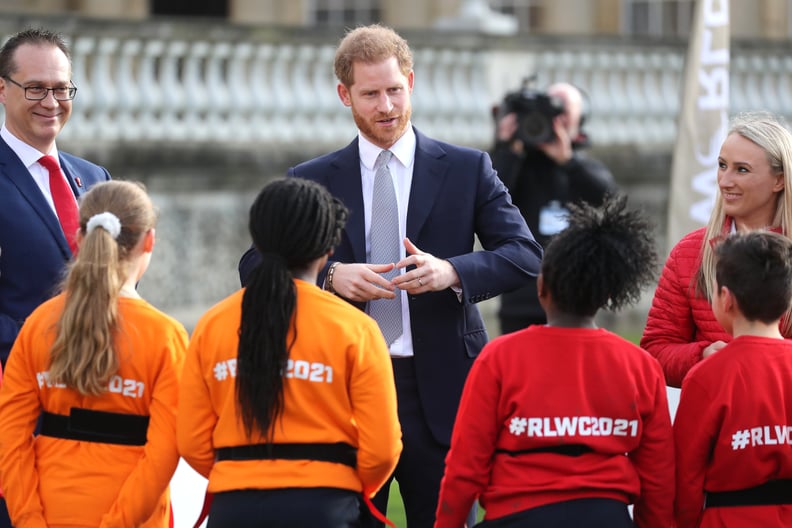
<point x="39" y="93"/>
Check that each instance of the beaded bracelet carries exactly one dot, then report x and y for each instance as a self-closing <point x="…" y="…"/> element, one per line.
<point x="329" y="279"/>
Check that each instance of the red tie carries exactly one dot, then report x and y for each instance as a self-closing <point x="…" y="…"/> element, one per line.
<point x="65" y="203"/>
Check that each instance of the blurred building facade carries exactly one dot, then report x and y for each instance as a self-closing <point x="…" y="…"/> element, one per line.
<point x="762" y="19"/>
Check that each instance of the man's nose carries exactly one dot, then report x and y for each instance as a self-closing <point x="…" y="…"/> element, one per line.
<point x="385" y="105"/>
<point x="49" y="100"/>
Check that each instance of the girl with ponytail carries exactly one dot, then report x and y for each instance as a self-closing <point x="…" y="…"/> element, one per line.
<point x="98" y="368"/>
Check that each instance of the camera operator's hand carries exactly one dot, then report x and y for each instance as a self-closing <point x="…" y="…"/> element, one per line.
<point x="507" y="128"/>
<point x="560" y="149"/>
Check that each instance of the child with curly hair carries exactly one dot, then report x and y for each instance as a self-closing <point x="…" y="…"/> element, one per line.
<point x="565" y="424"/>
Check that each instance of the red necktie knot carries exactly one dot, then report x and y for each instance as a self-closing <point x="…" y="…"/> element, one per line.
<point x="64" y="200"/>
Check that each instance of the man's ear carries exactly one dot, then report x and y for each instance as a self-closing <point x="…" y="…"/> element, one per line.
<point x="343" y="94"/>
<point x="148" y="241"/>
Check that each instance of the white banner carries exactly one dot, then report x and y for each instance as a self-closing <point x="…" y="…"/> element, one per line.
<point x="703" y="120"/>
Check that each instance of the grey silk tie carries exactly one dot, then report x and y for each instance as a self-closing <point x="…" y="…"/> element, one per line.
<point x="384" y="241"/>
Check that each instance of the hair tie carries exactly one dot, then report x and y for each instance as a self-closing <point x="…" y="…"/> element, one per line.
<point x="107" y="221"/>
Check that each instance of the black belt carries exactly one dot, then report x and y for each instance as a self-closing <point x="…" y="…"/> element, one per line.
<point x="103" y="427"/>
<point x="573" y="450"/>
<point x="340" y="453"/>
<point x="772" y="492"/>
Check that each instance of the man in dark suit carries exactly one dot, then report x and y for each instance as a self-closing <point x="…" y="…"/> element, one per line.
<point x="36" y="91"/>
<point x="446" y="195"/>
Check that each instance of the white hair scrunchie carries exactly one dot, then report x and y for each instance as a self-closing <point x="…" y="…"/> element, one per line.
<point x="107" y="221"/>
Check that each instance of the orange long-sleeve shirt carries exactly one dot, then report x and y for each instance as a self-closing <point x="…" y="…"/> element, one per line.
<point x="57" y="482"/>
<point x="338" y="388"/>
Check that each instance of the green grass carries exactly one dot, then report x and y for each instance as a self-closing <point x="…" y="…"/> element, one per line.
<point x="396" y="507"/>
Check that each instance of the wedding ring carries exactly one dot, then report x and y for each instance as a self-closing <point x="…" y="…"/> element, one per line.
<point x="419" y="281"/>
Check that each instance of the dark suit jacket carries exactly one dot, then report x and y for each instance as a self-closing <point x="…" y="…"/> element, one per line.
<point x="33" y="249"/>
<point x="455" y="196"/>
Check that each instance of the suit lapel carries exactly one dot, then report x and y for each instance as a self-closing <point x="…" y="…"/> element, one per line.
<point x="76" y="184"/>
<point x="12" y="169"/>
<point x="429" y="173"/>
<point x="344" y="182"/>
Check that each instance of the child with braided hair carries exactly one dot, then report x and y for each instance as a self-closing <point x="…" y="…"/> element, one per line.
<point x="288" y="404"/>
<point x="564" y="425"/>
<point x="98" y="367"/>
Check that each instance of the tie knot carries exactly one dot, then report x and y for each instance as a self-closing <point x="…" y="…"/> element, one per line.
<point x="383" y="159"/>
<point x="49" y="162"/>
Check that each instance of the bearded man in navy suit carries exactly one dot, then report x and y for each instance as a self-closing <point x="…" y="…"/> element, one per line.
<point x="446" y="196"/>
<point x="37" y="91"/>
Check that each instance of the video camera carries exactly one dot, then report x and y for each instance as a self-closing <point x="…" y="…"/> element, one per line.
<point x="535" y="112"/>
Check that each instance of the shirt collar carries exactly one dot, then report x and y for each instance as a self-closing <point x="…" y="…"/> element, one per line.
<point x="403" y="150"/>
<point x="25" y="152"/>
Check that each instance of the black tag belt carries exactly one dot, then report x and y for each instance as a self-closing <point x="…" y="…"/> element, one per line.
<point x="96" y="426"/>
<point x="340" y="453"/>
<point x="769" y="493"/>
<point x="573" y="450"/>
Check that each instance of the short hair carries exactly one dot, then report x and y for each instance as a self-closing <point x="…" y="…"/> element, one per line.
<point x="757" y="268"/>
<point x="33" y="36"/>
<point x="604" y="258"/>
<point x="370" y="44"/>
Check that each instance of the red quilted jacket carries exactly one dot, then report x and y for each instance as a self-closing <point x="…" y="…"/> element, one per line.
<point x="680" y="325"/>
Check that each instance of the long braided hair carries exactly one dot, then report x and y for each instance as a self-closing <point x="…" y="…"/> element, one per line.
<point x="293" y="222"/>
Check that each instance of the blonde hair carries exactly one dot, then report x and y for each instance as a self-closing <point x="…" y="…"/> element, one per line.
<point x="370" y="45"/>
<point x="83" y="356"/>
<point x="771" y="135"/>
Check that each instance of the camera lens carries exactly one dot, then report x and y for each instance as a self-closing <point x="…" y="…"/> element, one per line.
<point x="535" y="127"/>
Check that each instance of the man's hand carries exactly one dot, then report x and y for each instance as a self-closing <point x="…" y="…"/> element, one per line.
<point x="363" y="282"/>
<point x="507" y="128"/>
<point x="560" y="149"/>
<point x="430" y="273"/>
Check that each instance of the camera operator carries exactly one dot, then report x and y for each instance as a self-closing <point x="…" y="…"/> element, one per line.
<point x="538" y="157"/>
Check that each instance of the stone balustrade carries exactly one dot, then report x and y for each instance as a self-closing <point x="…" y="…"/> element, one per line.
<point x="197" y="86"/>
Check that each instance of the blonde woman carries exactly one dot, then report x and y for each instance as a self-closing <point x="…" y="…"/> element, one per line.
<point x="754" y="171"/>
<point x="99" y="367"/>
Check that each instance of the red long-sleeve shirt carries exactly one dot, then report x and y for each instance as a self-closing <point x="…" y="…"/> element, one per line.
<point x="548" y="386"/>
<point x="733" y="430"/>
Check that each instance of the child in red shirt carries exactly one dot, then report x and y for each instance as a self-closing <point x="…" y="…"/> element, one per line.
<point x="566" y="424"/>
<point x="733" y="427"/>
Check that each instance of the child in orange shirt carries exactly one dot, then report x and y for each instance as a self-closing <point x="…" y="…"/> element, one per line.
<point x="288" y="404"/>
<point x="98" y="367"/>
<point x="733" y="426"/>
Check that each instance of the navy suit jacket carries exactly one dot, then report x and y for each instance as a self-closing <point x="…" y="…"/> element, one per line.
<point x="33" y="248"/>
<point x="455" y="196"/>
